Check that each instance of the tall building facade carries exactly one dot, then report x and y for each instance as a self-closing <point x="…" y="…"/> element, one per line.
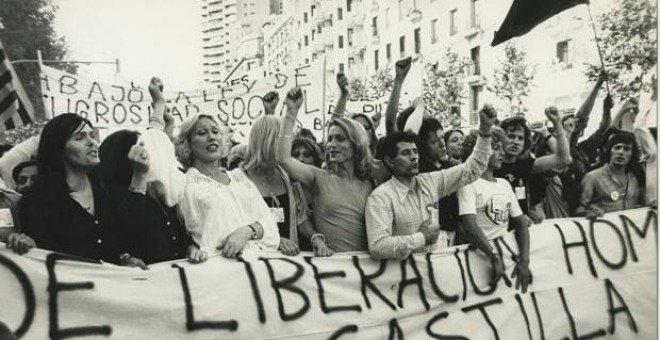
<point x="232" y="36"/>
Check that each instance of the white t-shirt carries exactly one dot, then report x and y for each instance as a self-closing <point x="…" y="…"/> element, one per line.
<point x="492" y="202"/>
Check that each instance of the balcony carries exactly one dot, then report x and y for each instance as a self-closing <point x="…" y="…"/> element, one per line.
<point x="356" y="20"/>
<point x="414" y="15"/>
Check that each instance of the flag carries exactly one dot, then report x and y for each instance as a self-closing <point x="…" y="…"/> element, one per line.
<point x="524" y="15"/>
<point x="15" y="108"/>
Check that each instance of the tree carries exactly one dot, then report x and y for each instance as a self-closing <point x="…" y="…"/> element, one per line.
<point x="443" y="87"/>
<point x="382" y="81"/>
<point x="512" y="80"/>
<point x="27" y="25"/>
<point x="628" y="39"/>
<point x="360" y="88"/>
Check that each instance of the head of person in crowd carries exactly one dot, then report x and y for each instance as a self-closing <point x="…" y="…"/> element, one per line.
<point x="68" y="147"/>
<point x="454" y="143"/>
<point x="25" y="176"/>
<point x="348" y="143"/>
<point x="201" y="141"/>
<point x="369" y="126"/>
<point x="236" y="156"/>
<point x="568" y="122"/>
<point x="260" y="154"/>
<point x="432" y="147"/>
<point x="307" y="133"/>
<point x="116" y="171"/>
<point x="307" y="151"/>
<point x="621" y="150"/>
<point x="401" y="155"/>
<point x="518" y="137"/>
<point x="497" y="145"/>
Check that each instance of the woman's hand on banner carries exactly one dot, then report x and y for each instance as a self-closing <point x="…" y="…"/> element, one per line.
<point x="20" y="243"/>
<point x="287" y="247"/>
<point x="195" y="255"/>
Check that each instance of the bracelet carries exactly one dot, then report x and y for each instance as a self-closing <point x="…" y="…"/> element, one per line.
<point x="311" y="240"/>
<point x="136" y="190"/>
<point x="254" y="231"/>
<point x="123" y="258"/>
<point x="290" y="117"/>
<point x="485" y="135"/>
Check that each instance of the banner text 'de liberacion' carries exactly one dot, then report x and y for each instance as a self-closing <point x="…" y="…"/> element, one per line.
<point x="609" y="263"/>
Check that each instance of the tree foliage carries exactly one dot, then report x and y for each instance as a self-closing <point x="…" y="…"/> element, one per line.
<point x="27" y="26"/>
<point x="444" y="87"/>
<point x="512" y="80"/>
<point x="628" y="39"/>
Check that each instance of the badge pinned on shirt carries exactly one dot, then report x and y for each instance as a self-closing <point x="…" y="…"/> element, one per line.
<point x="615" y="195"/>
<point x="6" y="220"/>
<point x="278" y="213"/>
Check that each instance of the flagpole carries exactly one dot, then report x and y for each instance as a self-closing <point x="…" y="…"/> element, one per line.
<point x="323" y="107"/>
<point x="600" y="52"/>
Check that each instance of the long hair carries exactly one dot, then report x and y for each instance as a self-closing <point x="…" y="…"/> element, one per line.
<point x="429" y="125"/>
<point x="357" y="136"/>
<point x="624" y="137"/>
<point x="260" y="153"/>
<point x="310" y="145"/>
<point x="116" y="171"/>
<point x="50" y="159"/>
<point x="182" y="141"/>
<point x="373" y="138"/>
<point x="515" y="122"/>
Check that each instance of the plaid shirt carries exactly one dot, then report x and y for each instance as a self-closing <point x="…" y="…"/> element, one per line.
<point x="394" y="212"/>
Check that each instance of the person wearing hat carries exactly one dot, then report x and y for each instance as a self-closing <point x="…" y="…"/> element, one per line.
<point x="616" y="185"/>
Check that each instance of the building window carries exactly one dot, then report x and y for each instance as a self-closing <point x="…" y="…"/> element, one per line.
<point x="318" y="28"/>
<point x="305" y="17"/>
<point x="475" y="56"/>
<point x="313" y="56"/>
<point x="402" y="46"/>
<point x="388" y="17"/>
<point x="452" y="22"/>
<point x="376" y="60"/>
<point x="341" y="41"/>
<point x="341" y="67"/>
<point x="418" y="40"/>
<point x="401" y="10"/>
<point x="351" y="62"/>
<point x="306" y="41"/>
<point x="563" y="54"/>
<point x="306" y="61"/>
<point x="474" y="21"/>
<point x="348" y="5"/>
<point x="313" y="32"/>
<point x="374" y="26"/>
<point x="299" y="46"/>
<point x="349" y="37"/>
<point x="388" y="52"/>
<point x="312" y="9"/>
<point x="340" y="14"/>
<point x="434" y="31"/>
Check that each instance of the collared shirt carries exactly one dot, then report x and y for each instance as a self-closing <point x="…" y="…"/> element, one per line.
<point x="394" y="212"/>
<point x="601" y="189"/>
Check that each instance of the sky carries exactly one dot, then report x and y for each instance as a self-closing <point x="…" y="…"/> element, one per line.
<point x="149" y="37"/>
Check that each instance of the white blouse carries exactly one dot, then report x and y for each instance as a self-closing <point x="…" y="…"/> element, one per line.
<point x="210" y="210"/>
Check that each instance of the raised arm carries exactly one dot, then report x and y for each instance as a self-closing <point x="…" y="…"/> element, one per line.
<point x="340" y="108"/>
<point x="401" y="67"/>
<point x="585" y="110"/>
<point x="270" y="101"/>
<point x="452" y="179"/>
<point x="299" y="171"/>
<point x="562" y="157"/>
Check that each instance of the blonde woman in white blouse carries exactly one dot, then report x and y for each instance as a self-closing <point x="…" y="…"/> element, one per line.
<point x="222" y="210"/>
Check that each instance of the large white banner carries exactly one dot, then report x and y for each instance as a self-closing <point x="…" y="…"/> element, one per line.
<point x="590" y="280"/>
<point x="237" y="102"/>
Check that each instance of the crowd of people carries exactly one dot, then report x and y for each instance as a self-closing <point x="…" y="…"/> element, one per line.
<point x="143" y="198"/>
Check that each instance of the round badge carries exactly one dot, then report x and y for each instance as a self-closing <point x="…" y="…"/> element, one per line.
<point x="614" y="195"/>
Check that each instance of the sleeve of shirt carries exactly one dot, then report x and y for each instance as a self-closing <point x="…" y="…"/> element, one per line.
<point x="588" y="187"/>
<point x="467" y="200"/>
<point x="515" y="210"/>
<point x="382" y="244"/>
<point x="450" y="180"/>
<point x="163" y="165"/>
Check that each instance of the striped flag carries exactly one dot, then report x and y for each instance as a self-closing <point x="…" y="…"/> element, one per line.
<point x="15" y="107"/>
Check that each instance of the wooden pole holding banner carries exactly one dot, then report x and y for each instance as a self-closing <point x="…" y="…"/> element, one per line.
<point x="600" y="52"/>
<point x="323" y="107"/>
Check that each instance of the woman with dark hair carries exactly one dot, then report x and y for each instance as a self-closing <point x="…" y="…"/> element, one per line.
<point x="69" y="210"/>
<point x="340" y="192"/>
<point x="617" y="185"/>
<point x="454" y="142"/>
<point x="307" y="151"/>
<point x="157" y="235"/>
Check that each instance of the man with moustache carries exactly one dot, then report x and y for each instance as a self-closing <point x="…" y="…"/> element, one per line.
<point x="401" y="214"/>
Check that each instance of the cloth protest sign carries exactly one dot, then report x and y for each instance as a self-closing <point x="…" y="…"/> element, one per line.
<point x="237" y="102"/>
<point x="590" y="279"/>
